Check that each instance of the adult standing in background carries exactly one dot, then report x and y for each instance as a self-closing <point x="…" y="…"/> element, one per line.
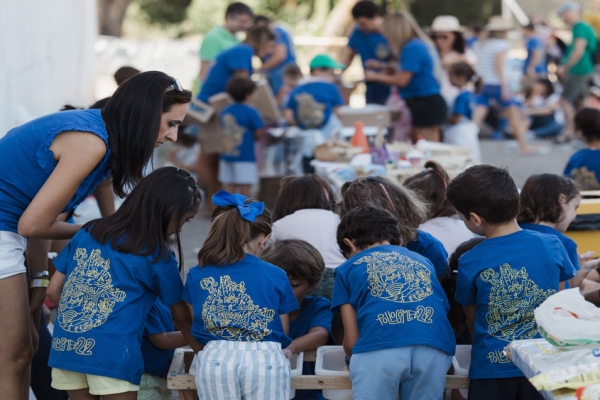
<point x="417" y="75"/>
<point x="449" y="40"/>
<point x="238" y="18"/>
<point x="368" y="42"/>
<point x="283" y="55"/>
<point x="577" y="65"/>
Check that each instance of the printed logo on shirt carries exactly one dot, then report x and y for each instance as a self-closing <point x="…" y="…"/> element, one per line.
<point x="81" y="346"/>
<point x="229" y="312"/>
<point x="88" y="296"/>
<point x="382" y="52"/>
<point x="233" y="133"/>
<point x="310" y="113"/>
<point x="513" y="297"/>
<point x="397" y="278"/>
<point x="585" y="178"/>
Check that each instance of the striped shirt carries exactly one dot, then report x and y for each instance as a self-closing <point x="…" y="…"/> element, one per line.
<point x="486" y="56"/>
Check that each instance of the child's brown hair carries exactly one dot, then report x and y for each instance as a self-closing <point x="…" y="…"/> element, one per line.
<point x="587" y="121"/>
<point x="540" y="198"/>
<point x="302" y="192"/>
<point x="299" y="259"/>
<point x="403" y="203"/>
<point x="431" y="185"/>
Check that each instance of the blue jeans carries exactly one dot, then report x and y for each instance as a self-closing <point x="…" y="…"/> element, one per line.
<point x="414" y="372"/>
<point x="545" y="126"/>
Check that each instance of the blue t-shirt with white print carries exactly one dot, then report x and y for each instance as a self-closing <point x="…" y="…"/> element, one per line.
<point x="398" y="300"/>
<point x="160" y="320"/>
<point x="506" y="278"/>
<point x="103" y="307"/>
<point x="239" y="122"/>
<point x="463" y="104"/>
<point x="432" y="249"/>
<point x="416" y="58"/>
<point x="237" y="58"/>
<point x="240" y="302"/>
<point x="372" y="46"/>
<point x="584" y="168"/>
<point x="313" y="101"/>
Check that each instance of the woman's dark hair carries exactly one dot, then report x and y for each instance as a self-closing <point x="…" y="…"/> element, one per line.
<point x="299" y="259"/>
<point x="547" y="85"/>
<point x="403" y="203"/>
<point x="240" y="87"/>
<point x="459" y="44"/>
<point x="587" y="121"/>
<point x="365" y="9"/>
<point x="431" y="185"/>
<point x="229" y="233"/>
<point x="466" y="71"/>
<point x="132" y="117"/>
<point x="302" y="192"/>
<point x="366" y="226"/>
<point x="140" y="226"/>
<point x="258" y="36"/>
<point x="540" y="198"/>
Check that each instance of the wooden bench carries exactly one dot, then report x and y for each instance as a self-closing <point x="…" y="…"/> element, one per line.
<point x="180" y="379"/>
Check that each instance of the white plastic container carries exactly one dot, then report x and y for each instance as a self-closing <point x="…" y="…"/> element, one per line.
<point x="296" y="369"/>
<point x="461" y="362"/>
<point x="330" y="362"/>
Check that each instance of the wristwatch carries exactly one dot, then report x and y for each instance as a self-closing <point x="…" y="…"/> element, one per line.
<point x="41" y="275"/>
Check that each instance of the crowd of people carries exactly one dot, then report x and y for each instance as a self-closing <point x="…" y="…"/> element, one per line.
<point x="396" y="274"/>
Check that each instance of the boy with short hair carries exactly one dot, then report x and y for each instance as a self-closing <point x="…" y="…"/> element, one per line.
<point x="584" y="166"/>
<point x="393" y="309"/>
<point x="241" y="125"/>
<point x="502" y="280"/>
<point x="310" y="325"/>
<point x="368" y="42"/>
<point x="291" y="76"/>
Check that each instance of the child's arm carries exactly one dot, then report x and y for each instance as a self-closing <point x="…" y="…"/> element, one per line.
<point x="593" y="297"/>
<point x="585" y="269"/>
<point x="55" y="287"/>
<point x="168" y="340"/>
<point x="470" y="313"/>
<point x="317" y="336"/>
<point x="350" y="327"/>
<point x="454" y="119"/>
<point x="285" y="321"/>
<point x="399" y="78"/>
<point x="183" y="319"/>
<point x="259" y="133"/>
<point x="289" y="117"/>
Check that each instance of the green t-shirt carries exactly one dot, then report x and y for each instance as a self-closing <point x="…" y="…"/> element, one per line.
<point x="215" y="41"/>
<point x="585" y="65"/>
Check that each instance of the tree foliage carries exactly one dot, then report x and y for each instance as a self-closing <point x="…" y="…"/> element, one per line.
<point x="164" y="12"/>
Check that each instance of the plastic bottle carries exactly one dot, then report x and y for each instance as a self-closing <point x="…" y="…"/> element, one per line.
<point x="359" y="139"/>
<point x="415" y="157"/>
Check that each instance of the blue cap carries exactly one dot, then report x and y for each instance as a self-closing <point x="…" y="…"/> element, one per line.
<point x="571" y="6"/>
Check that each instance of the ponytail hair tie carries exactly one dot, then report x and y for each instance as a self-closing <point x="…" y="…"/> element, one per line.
<point x="249" y="211"/>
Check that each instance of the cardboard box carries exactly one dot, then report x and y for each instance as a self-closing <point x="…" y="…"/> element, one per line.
<point x="199" y="112"/>
<point x="368" y="115"/>
<point x="266" y="103"/>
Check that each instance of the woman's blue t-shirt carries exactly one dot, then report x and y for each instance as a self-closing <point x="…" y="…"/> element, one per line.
<point x="506" y="278"/>
<point x="432" y="249"/>
<point x="240" y="302"/>
<point x="160" y="320"/>
<point x="283" y="37"/>
<point x="416" y="58"/>
<point x="584" y="168"/>
<point x="239" y="122"/>
<point x="237" y="58"/>
<point x="398" y="300"/>
<point x="104" y="306"/>
<point x="26" y="161"/>
<point x="313" y="102"/>
<point x="372" y="46"/>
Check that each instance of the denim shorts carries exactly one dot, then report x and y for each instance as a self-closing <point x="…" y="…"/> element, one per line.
<point x="493" y="94"/>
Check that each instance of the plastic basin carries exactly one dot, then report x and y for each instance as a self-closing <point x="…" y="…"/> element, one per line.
<point x="330" y="362"/>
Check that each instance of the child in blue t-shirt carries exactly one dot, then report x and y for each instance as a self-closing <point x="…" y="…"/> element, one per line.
<point x="241" y="306"/>
<point x="396" y="332"/>
<point x="502" y="280"/>
<point x="406" y="206"/>
<point x="462" y="131"/>
<point x="368" y="42"/>
<point x="584" y="166"/>
<point x="548" y="204"/>
<point x="107" y="279"/>
<point x="535" y="64"/>
<point x="310" y="326"/>
<point x="241" y="125"/>
<point x="159" y="341"/>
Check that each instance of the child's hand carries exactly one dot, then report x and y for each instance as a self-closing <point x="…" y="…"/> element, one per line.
<point x="588" y="255"/>
<point x="371" y="75"/>
<point x="374" y="64"/>
<point x="288" y="354"/>
<point x="590" y="265"/>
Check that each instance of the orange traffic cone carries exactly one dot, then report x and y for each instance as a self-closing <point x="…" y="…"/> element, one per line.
<point x="359" y="139"/>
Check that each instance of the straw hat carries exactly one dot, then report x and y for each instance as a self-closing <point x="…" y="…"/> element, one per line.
<point x="497" y="23"/>
<point x="446" y="23"/>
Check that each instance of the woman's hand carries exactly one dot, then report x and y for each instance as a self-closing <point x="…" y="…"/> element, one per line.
<point x="375" y="64"/>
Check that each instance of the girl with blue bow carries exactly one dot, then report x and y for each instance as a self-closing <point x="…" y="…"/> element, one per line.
<point x="240" y="305"/>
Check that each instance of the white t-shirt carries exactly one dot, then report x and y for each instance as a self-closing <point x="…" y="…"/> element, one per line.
<point x="486" y="59"/>
<point x="451" y="232"/>
<point x="315" y="226"/>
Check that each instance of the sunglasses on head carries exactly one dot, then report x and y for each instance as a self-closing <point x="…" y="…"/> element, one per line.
<point x="176" y="85"/>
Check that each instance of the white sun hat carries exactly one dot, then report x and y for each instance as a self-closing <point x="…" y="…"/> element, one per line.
<point x="446" y="23"/>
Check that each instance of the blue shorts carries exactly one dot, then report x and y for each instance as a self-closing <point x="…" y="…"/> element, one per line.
<point x="493" y="92"/>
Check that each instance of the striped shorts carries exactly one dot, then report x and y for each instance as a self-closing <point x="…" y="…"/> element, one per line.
<point x="243" y="370"/>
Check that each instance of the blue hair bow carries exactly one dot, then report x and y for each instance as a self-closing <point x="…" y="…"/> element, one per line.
<point x="249" y="211"/>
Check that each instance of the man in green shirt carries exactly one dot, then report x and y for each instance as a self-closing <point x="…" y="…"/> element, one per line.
<point x="577" y="65"/>
<point x="238" y="18"/>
